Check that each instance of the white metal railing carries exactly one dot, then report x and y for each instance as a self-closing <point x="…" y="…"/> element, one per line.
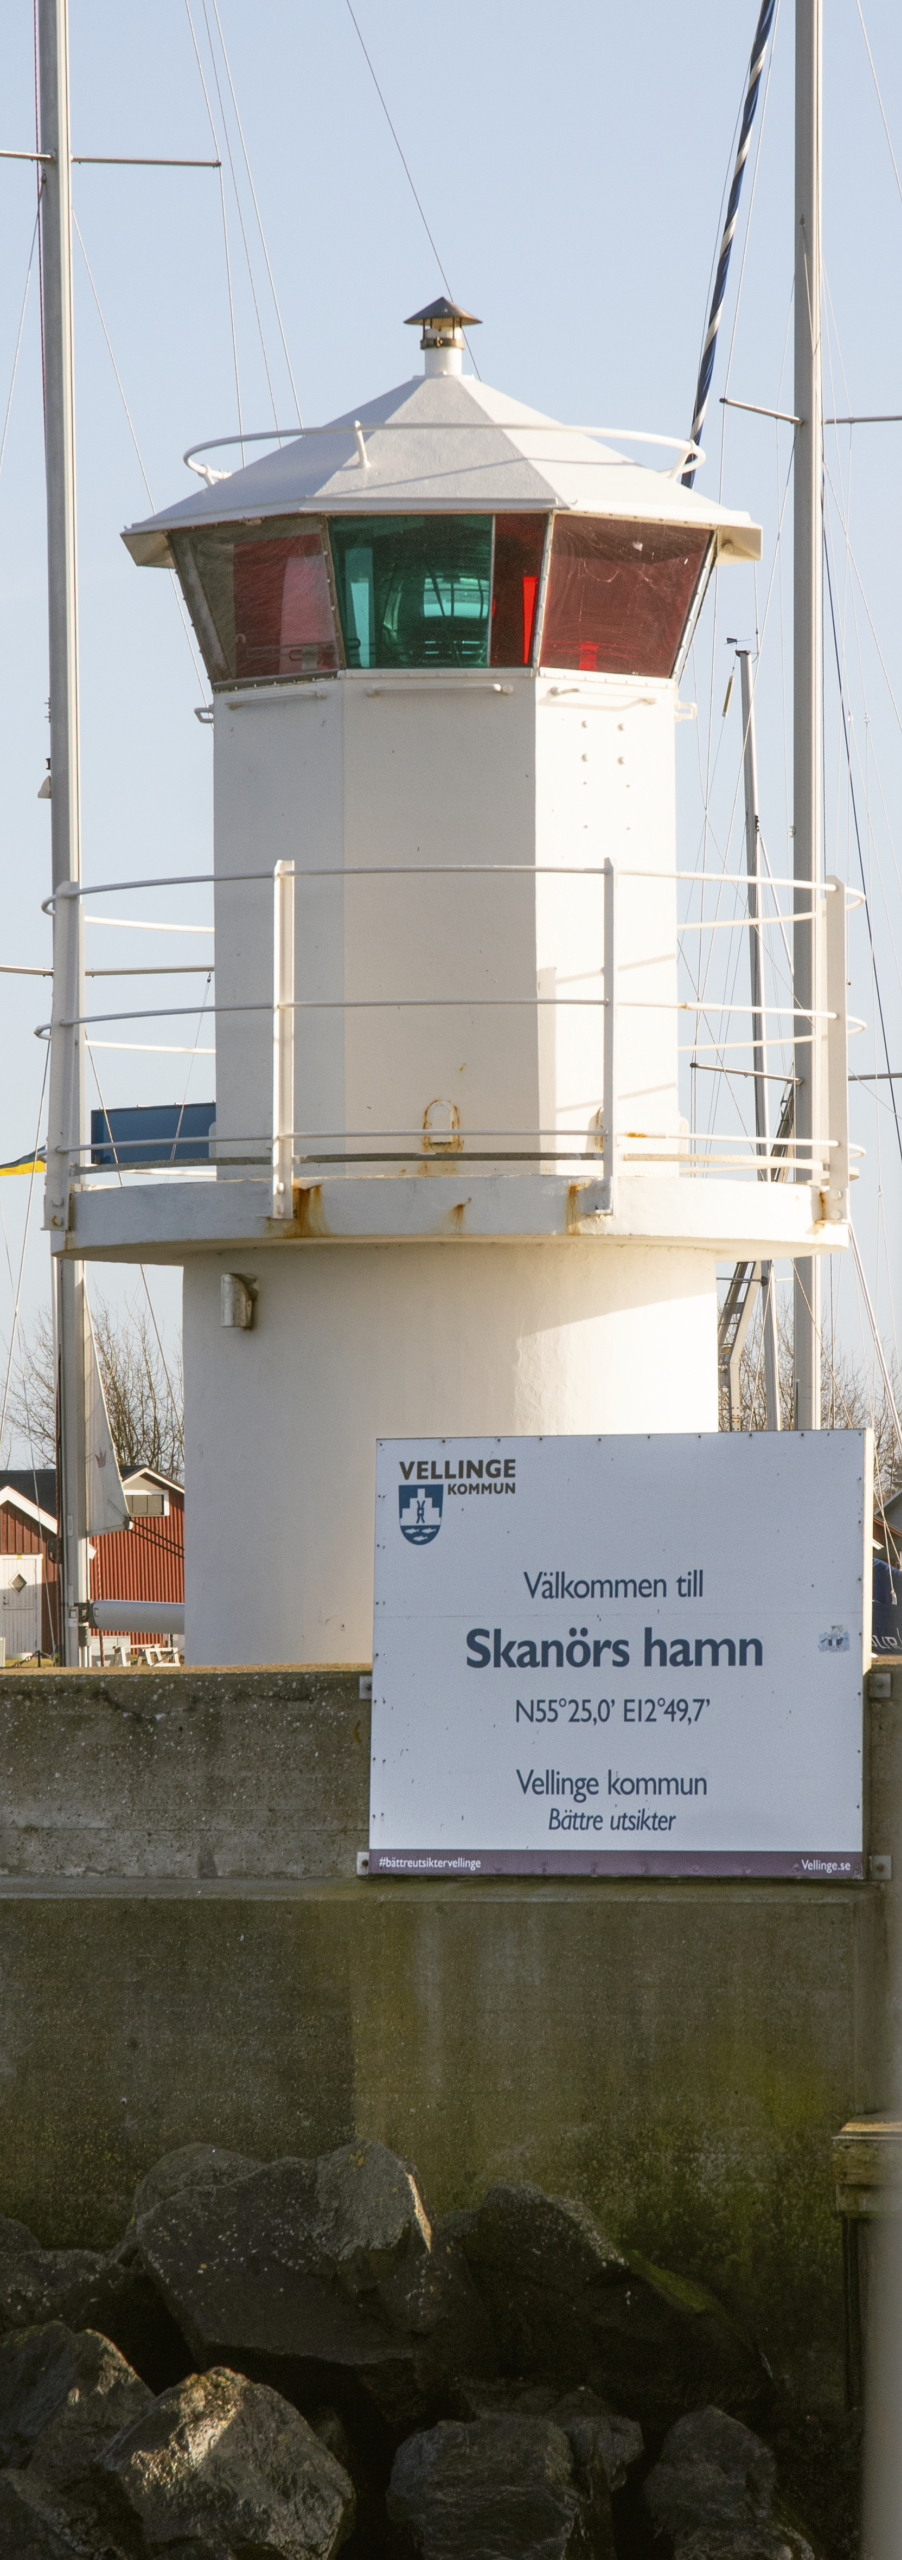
<point x="356" y="431"/>
<point x="288" y="1150"/>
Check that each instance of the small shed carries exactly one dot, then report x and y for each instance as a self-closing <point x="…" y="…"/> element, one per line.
<point x="29" y="1574"/>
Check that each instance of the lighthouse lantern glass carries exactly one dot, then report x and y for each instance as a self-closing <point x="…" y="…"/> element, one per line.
<point x="266" y="591"/>
<point x="283" y="609"/>
<point x="619" y="595"/>
<point x="519" y="549"/>
<point x="413" y="591"/>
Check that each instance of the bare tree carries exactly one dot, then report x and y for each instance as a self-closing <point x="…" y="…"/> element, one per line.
<point x="850" y="1399"/>
<point x="143" y="1388"/>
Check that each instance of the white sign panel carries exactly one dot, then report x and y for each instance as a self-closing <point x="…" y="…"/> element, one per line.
<point x="622" y="1656"/>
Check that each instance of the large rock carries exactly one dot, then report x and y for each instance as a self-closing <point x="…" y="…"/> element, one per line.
<point x="664" y="2346"/>
<point x="567" y="2305"/>
<point x="103" y="2397"/>
<point x="222" y="2466"/>
<point x="63" y="2397"/>
<point x="595" y="2432"/>
<point x="309" y="2270"/>
<point x="501" y="2488"/>
<point x="44" y="2372"/>
<point x="198" y="2164"/>
<point x="40" y="2284"/>
<point x="115" y="2292"/>
<point x="711" y="2495"/>
<point x="541" y="2264"/>
<point x="26" y="2534"/>
<point x="599" y="2435"/>
<point x="90" y="2289"/>
<point x="120" y="2299"/>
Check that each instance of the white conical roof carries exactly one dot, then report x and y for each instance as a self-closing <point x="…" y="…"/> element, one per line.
<point x="442" y="444"/>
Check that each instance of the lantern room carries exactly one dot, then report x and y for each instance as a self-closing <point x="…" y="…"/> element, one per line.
<point x="454" y="590"/>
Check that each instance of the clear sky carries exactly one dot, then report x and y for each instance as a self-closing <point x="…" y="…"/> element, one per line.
<point x="570" y="163"/>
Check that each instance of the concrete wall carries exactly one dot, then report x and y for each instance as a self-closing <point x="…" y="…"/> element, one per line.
<point x="186" y="1953"/>
<point x="181" y="1775"/>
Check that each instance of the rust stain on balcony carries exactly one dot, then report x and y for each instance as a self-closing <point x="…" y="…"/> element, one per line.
<point x="574" y="1210"/>
<point x="309" y="1215"/>
<point x="441" y="1133"/>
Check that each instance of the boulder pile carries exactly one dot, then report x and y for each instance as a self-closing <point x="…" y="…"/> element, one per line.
<point x="284" y="2360"/>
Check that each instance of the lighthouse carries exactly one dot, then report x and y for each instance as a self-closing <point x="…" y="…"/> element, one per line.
<point x="452" y="1195"/>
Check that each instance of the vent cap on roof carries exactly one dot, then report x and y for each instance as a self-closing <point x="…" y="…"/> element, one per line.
<point x="443" y="324"/>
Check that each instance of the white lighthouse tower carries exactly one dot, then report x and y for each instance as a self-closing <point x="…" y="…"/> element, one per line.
<point x="452" y="1192"/>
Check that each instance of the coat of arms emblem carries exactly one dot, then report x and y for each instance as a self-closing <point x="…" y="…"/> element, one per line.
<point x="420" y="1508"/>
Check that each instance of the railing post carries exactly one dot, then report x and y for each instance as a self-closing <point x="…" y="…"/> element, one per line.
<point x="610" y="1037"/>
<point x="282" y="1039"/>
<point x="836" y="1187"/>
<point x="63" y="1132"/>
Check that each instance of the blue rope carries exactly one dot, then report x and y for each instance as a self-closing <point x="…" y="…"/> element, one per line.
<point x="706" y="367"/>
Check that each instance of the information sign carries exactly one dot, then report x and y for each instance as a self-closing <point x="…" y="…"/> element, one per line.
<point x="620" y="1656"/>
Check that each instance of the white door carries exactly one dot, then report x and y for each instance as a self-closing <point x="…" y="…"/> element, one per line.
<point x="21" y="1578"/>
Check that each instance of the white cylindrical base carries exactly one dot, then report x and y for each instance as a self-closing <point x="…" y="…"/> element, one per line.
<point x="352" y="1343"/>
<point x="443" y="360"/>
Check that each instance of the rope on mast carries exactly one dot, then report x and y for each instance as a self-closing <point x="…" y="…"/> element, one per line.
<point x="706" y="367"/>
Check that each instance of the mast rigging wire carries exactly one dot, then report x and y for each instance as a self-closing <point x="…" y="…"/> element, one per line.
<point x="12" y="383"/>
<point x="854" y="806"/>
<point x="848" y="741"/>
<point x="718" y="879"/>
<point x="176" y="589"/>
<point x="879" y="102"/>
<point x="250" y="181"/>
<point x="706" y="367"/>
<point x="244" y="238"/>
<point x="406" y="169"/>
<point x="733" y="332"/>
<point x="878" y="1345"/>
<point x="707" y="780"/>
<point x="225" y="227"/>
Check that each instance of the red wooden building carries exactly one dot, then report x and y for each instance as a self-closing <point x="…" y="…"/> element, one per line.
<point x="144" y="1562"/>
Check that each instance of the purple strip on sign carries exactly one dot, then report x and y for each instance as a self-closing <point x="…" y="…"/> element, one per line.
<point x="803" y="1866"/>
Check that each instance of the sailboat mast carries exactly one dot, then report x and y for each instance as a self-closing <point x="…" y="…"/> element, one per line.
<point x="807" y="667"/>
<point x="66" y="1103"/>
<point x="759" y="1027"/>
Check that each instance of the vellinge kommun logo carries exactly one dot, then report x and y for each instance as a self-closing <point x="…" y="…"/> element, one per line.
<point x="420" y="1508"/>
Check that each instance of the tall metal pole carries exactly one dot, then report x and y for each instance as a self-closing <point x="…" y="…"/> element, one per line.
<point x="807" y="663"/>
<point x="67" y="1064"/>
<point x="759" y="1027"/>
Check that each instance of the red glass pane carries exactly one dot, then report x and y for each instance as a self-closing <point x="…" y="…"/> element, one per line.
<point x="283" y="610"/>
<point x="619" y="595"/>
<point x="519" y="543"/>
